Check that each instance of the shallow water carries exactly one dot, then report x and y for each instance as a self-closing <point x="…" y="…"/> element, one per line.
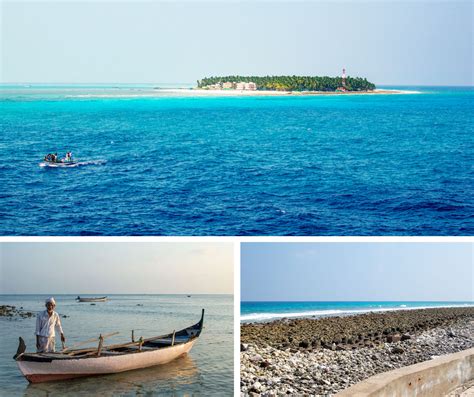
<point x="171" y="165"/>
<point x="207" y="370"/>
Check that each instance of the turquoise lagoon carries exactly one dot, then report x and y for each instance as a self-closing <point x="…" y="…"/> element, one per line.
<point x="155" y="162"/>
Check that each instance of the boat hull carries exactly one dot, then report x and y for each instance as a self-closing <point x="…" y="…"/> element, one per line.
<point x="92" y="300"/>
<point x="57" y="165"/>
<point x="40" y="378"/>
<point x="36" y="372"/>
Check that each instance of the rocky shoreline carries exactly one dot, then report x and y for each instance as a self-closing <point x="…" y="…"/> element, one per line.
<point x="327" y="355"/>
<point x="12" y="312"/>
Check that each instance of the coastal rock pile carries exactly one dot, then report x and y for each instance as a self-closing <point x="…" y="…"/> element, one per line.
<point x="11" y="312"/>
<point x="350" y="332"/>
<point x="267" y="369"/>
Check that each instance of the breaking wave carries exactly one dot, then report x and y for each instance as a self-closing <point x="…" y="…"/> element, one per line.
<point x="256" y="317"/>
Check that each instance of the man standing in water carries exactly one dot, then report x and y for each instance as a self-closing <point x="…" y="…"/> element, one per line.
<point x="46" y="322"/>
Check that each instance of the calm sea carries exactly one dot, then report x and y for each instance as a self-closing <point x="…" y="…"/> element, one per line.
<point x="174" y="165"/>
<point x="207" y="370"/>
<point x="267" y="311"/>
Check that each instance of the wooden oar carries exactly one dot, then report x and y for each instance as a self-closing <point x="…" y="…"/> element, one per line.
<point x="87" y="341"/>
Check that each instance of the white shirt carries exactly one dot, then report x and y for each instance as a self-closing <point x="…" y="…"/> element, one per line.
<point x="45" y="324"/>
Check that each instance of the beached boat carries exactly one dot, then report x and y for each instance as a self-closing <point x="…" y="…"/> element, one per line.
<point x="102" y="360"/>
<point x="99" y="299"/>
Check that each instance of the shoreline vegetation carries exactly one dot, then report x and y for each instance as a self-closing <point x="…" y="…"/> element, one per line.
<point x="288" y="83"/>
<point x="327" y="355"/>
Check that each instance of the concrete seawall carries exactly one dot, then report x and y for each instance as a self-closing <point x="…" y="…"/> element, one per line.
<point x="427" y="379"/>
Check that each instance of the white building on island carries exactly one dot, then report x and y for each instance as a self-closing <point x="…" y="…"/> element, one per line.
<point x="246" y="86"/>
<point x="228" y="85"/>
<point x="250" y="86"/>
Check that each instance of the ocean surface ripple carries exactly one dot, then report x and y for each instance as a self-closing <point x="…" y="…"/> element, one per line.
<point x="329" y="165"/>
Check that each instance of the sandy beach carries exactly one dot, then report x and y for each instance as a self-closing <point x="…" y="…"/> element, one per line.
<point x="204" y="92"/>
<point x="327" y="355"/>
<point x="196" y="92"/>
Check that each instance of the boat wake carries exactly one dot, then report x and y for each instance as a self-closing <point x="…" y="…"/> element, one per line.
<point x="44" y="164"/>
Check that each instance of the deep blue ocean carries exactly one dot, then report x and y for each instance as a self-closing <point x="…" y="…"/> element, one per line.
<point x="207" y="370"/>
<point x="268" y="311"/>
<point x="168" y="164"/>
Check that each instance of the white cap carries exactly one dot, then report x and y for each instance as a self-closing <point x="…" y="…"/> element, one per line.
<point x="50" y="300"/>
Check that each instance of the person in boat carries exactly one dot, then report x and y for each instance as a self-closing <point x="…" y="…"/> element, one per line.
<point x="68" y="156"/>
<point x="47" y="322"/>
<point x="48" y="157"/>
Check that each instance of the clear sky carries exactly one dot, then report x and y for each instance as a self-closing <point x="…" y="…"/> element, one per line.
<point x="389" y="42"/>
<point x="357" y="272"/>
<point x="121" y="268"/>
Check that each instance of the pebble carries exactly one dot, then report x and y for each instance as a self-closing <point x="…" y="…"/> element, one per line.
<point x="322" y="371"/>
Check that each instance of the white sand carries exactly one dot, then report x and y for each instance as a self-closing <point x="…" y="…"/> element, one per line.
<point x="188" y="92"/>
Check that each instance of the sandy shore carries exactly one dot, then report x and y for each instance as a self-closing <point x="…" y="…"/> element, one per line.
<point x="327" y="355"/>
<point x="202" y="92"/>
<point x="194" y="92"/>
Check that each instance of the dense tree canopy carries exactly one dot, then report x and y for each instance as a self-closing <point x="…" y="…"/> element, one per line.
<point x="293" y="83"/>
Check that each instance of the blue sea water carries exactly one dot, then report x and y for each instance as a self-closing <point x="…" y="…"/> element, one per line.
<point x="157" y="163"/>
<point x="268" y="311"/>
<point x="206" y="370"/>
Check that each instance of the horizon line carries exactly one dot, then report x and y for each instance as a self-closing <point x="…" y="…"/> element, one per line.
<point x="162" y="82"/>
<point x="326" y="301"/>
<point x="134" y="293"/>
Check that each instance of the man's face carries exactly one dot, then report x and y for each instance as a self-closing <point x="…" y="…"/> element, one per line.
<point x="50" y="307"/>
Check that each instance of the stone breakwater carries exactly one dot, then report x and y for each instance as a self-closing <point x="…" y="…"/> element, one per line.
<point x="367" y="345"/>
<point x="349" y="332"/>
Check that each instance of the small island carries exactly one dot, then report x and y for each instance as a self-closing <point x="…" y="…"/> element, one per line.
<point x="294" y="84"/>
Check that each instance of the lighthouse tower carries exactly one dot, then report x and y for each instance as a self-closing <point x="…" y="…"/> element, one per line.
<point x="344" y="79"/>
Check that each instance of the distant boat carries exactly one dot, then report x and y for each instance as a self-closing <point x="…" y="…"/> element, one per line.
<point x="102" y="360"/>
<point x="97" y="299"/>
<point x="57" y="164"/>
<point x="52" y="160"/>
<point x="189" y="296"/>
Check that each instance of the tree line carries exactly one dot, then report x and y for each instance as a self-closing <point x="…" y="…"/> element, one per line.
<point x="293" y="83"/>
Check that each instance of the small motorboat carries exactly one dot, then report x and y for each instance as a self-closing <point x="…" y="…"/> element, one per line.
<point x="56" y="164"/>
<point x="98" y="299"/>
<point x="52" y="160"/>
<point x="102" y="360"/>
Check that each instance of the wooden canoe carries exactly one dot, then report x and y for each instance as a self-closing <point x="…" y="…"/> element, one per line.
<point x="98" y="299"/>
<point x="102" y="360"/>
